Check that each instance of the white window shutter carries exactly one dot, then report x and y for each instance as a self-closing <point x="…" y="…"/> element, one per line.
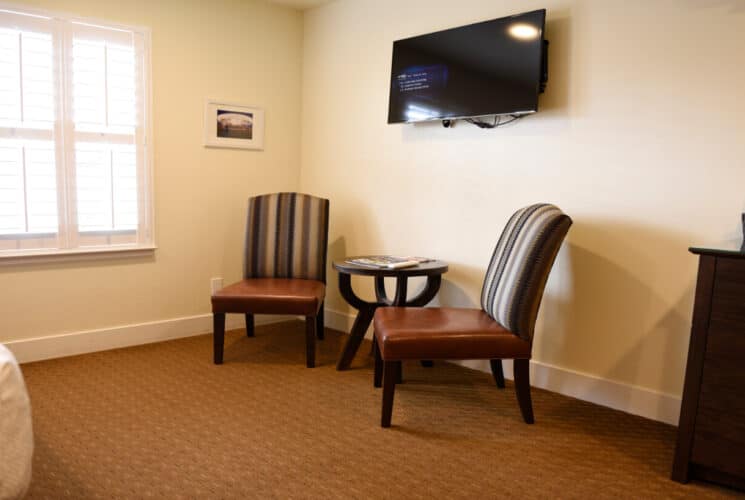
<point x="29" y="202"/>
<point x="107" y="103"/>
<point x="74" y="163"/>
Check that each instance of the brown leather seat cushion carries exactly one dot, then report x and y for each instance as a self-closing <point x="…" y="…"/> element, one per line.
<point x="271" y="296"/>
<point x="444" y="333"/>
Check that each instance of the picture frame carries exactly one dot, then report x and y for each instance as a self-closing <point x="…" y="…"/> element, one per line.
<point x="232" y="125"/>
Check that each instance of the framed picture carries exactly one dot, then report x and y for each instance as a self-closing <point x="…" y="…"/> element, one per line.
<point x="229" y="125"/>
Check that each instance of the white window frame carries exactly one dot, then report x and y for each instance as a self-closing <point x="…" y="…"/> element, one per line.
<point x="64" y="135"/>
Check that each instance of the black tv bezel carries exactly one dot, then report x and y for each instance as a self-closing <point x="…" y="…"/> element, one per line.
<point x="541" y="81"/>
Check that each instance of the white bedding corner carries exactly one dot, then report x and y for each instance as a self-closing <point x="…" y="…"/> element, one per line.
<point x="16" y="433"/>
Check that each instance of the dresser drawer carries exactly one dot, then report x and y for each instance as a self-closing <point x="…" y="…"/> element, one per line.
<point x="711" y="430"/>
<point x="717" y="453"/>
<point x="728" y="308"/>
<point x="719" y="437"/>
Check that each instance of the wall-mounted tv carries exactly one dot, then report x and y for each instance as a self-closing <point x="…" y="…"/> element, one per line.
<point x="493" y="67"/>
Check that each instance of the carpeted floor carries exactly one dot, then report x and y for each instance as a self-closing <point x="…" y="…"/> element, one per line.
<point x="161" y="421"/>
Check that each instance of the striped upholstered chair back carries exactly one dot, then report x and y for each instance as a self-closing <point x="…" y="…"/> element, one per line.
<point x="519" y="268"/>
<point x="286" y="237"/>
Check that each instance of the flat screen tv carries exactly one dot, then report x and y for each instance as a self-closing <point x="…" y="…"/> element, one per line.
<point x="493" y="67"/>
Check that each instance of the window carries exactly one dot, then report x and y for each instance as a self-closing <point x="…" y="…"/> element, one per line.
<point x="75" y="168"/>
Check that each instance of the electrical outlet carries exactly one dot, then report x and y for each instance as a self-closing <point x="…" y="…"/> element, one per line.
<point x="215" y="285"/>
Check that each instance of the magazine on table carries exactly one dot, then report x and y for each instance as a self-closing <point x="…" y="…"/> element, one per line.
<point x="388" y="261"/>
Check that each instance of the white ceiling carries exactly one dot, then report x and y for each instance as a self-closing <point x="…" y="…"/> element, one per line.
<point x="301" y="4"/>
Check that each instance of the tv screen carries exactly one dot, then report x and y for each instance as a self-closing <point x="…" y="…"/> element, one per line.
<point x="488" y="68"/>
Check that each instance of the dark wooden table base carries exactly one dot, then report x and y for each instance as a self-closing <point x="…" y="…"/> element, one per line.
<point x="366" y="310"/>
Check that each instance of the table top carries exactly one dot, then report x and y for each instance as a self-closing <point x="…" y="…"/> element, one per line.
<point x="716" y="252"/>
<point x="431" y="268"/>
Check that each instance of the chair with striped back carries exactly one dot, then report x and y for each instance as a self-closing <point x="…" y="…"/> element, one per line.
<point x="501" y="329"/>
<point x="284" y="267"/>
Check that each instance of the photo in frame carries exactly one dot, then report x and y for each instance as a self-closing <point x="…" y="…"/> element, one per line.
<point x="230" y="125"/>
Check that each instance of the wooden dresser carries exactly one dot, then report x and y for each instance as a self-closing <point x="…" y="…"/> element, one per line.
<point x="711" y="434"/>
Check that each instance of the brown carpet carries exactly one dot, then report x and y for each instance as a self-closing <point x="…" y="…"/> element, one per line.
<point x="161" y="421"/>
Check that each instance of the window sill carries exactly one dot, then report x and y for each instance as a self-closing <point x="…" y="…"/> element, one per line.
<point x="75" y="255"/>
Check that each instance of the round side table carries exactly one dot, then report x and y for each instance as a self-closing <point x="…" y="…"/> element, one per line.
<point x="433" y="270"/>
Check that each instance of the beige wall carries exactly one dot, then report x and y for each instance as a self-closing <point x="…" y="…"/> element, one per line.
<point x="241" y="51"/>
<point x="640" y="138"/>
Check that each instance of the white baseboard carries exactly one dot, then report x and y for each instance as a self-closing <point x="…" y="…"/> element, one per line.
<point x="629" y="398"/>
<point x="587" y="387"/>
<point x="71" y="344"/>
<point x="337" y="320"/>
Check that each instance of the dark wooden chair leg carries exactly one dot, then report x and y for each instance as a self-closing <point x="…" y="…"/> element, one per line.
<point x="497" y="373"/>
<point x="390" y="369"/>
<point x="320" y="324"/>
<point x="378" y="374"/>
<point x="218" y="339"/>
<point x="522" y="389"/>
<point x="249" y="325"/>
<point x="310" y="341"/>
